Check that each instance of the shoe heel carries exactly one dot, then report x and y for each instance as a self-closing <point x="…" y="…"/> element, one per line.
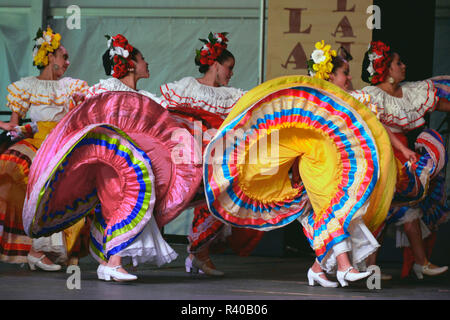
<point x="418" y="274"/>
<point x="32" y="266"/>
<point x="106" y="277"/>
<point x="194" y="270"/>
<point x="311" y="282"/>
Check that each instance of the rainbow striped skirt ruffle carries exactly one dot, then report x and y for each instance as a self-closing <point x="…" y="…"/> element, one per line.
<point x="423" y="183"/>
<point x="118" y="149"/>
<point x="105" y="166"/>
<point x="337" y="139"/>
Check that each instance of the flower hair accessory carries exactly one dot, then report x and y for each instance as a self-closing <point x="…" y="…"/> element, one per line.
<point x="119" y="55"/>
<point x="379" y="59"/>
<point x="320" y="66"/>
<point x="45" y="42"/>
<point x="212" y="48"/>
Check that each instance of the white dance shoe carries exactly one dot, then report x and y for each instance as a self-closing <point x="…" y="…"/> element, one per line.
<point x="344" y="276"/>
<point x="420" y="270"/>
<point x="107" y="273"/>
<point x="315" y="277"/>
<point x="34" y="262"/>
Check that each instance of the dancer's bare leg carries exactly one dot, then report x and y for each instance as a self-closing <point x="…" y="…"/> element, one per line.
<point x="414" y="234"/>
<point x="114" y="261"/>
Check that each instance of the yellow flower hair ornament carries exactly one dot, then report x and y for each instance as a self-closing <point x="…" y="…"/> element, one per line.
<point x="45" y="42"/>
<point x="320" y="66"/>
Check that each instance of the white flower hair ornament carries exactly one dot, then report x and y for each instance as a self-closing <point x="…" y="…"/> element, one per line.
<point x="320" y="66"/>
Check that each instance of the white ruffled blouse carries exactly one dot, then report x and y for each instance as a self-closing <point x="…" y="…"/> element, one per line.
<point x="43" y="100"/>
<point x="218" y="100"/>
<point x="114" y="84"/>
<point x="408" y="112"/>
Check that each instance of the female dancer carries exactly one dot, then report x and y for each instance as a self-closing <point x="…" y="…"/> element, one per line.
<point x="326" y="64"/>
<point x="312" y="121"/>
<point x="339" y="75"/>
<point x="149" y="246"/>
<point x="46" y="99"/>
<point x="336" y="138"/>
<point x="209" y="97"/>
<point x="420" y="207"/>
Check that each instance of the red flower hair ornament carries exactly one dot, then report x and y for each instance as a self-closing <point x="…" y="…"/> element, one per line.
<point x="379" y="59"/>
<point x="212" y="48"/>
<point x="120" y="55"/>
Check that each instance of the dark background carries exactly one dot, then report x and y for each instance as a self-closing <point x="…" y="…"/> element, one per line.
<point x="408" y="27"/>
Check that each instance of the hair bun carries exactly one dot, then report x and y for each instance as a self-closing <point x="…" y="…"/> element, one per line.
<point x="213" y="47"/>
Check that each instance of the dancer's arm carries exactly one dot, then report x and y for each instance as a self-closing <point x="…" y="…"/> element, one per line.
<point x="13" y="122"/>
<point x="443" y="105"/>
<point x="397" y="144"/>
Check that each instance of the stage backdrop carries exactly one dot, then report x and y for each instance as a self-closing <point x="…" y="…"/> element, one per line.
<point x="295" y="26"/>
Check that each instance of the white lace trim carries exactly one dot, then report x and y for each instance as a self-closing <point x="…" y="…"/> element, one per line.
<point x="54" y="244"/>
<point x="408" y="112"/>
<point x="114" y="84"/>
<point x="150" y="256"/>
<point x="219" y="100"/>
<point x="401" y="240"/>
<point x="410" y="215"/>
<point x="149" y="247"/>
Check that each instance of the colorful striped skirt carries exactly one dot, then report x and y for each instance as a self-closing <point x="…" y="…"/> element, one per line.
<point x="421" y="185"/>
<point x="119" y="150"/>
<point x="15" y="165"/>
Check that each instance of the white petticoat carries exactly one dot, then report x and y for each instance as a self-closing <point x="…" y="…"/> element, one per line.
<point x="54" y="245"/>
<point x="149" y="247"/>
<point x="359" y="246"/>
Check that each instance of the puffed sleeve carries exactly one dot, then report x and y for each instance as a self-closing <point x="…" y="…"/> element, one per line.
<point x="78" y="86"/>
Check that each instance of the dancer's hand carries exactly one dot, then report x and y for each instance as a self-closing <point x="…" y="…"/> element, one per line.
<point x="7" y="126"/>
<point x="410" y="155"/>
